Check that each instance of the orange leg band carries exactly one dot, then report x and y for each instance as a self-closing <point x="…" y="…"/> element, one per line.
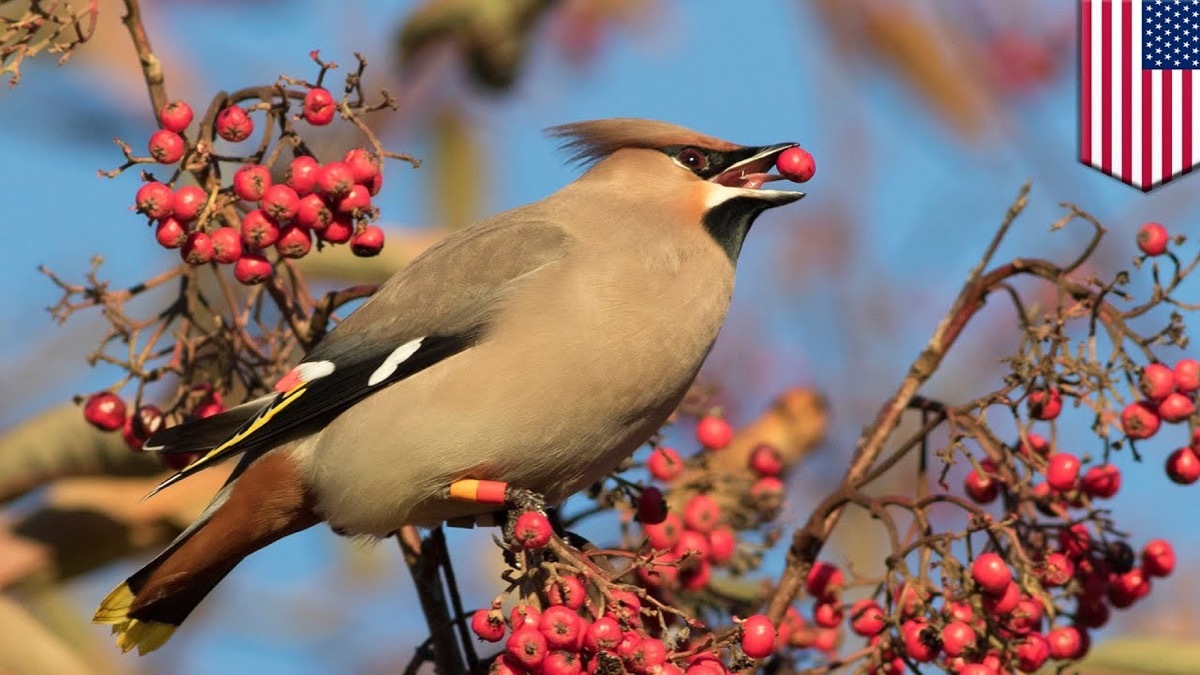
<point x="483" y="491"/>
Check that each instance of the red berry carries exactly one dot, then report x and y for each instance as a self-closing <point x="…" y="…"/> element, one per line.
<point x="1140" y="420"/>
<point x="828" y="614"/>
<point x="293" y="242"/>
<point x="356" y="201"/>
<point x="1092" y="612"/>
<point x="991" y="573"/>
<point x="917" y="642"/>
<point x="527" y="646"/>
<point x="693" y="542"/>
<point x="258" y="230"/>
<point x="367" y="242"/>
<point x="561" y="663"/>
<point x="105" y="410"/>
<point x="1176" y="407"/>
<point x="664" y="464"/>
<point x="1026" y="618"/>
<point x="767" y="489"/>
<point x="197" y="249"/>
<point x="603" y="634"/>
<point x="1035" y="444"/>
<point x="175" y="116"/>
<point x="1183" y="466"/>
<point x="250" y="182"/>
<point x="280" y="202"/>
<point x="1065" y="643"/>
<point x="824" y="580"/>
<point x="170" y="233"/>
<point x="1004" y="602"/>
<point x="702" y="513"/>
<point x="651" y="506"/>
<point x="252" y="268"/>
<point x="189" y="200"/>
<point x="713" y="433"/>
<point x="664" y="535"/>
<point x="981" y="488"/>
<point x="376" y="185"/>
<point x="524" y="616"/>
<point x="318" y="107"/>
<point x="867" y="617"/>
<point x="227" y="245"/>
<point x="910" y="599"/>
<point x="567" y="590"/>
<point x="766" y="461"/>
<point x="532" y="530"/>
<point x="234" y="124"/>
<point x="487" y="625"/>
<point x="957" y="637"/>
<point x="969" y="669"/>
<point x="560" y="625"/>
<point x="364" y="165"/>
<point x="647" y="656"/>
<point x="166" y="147"/>
<point x="1152" y="238"/>
<point x="147" y="421"/>
<point x="796" y="165"/>
<point x="1102" y="482"/>
<point x="1045" y="404"/>
<point x="1156" y="381"/>
<point x="1158" y="558"/>
<point x="1057" y="570"/>
<point x="1032" y="652"/>
<point x="301" y="174"/>
<point x="334" y="180"/>
<point x="695" y="576"/>
<point x="313" y="213"/>
<point x="722" y="544"/>
<point x="339" y="230"/>
<point x="758" y="636"/>
<point x="1134" y="585"/>
<point x="1187" y="375"/>
<point x="155" y="200"/>
<point x="1075" y="540"/>
<point x="1062" y="472"/>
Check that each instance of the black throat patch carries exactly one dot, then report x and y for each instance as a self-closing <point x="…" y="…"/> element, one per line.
<point x="728" y="222"/>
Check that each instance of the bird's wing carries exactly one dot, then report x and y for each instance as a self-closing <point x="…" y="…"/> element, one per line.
<point x="443" y="303"/>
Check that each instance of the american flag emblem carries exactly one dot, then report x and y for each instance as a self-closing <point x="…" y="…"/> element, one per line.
<point x="1138" y="97"/>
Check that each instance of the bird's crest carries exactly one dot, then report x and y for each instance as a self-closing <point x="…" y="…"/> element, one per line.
<point x="593" y="140"/>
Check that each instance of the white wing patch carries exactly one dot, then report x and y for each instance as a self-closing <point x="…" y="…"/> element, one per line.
<point x="315" y="370"/>
<point x="393" y="361"/>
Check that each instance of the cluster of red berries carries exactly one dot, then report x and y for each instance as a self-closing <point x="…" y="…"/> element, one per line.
<point x="108" y="412"/>
<point x="1169" y="396"/>
<point x="330" y="202"/>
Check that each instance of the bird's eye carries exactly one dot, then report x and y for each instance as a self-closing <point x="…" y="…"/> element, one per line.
<point x="693" y="159"/>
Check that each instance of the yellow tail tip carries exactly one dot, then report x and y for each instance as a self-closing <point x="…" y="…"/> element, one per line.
<point x="146" y="636"/>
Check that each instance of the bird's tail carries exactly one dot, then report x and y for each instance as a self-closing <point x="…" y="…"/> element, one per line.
<point x="262" y="503"/>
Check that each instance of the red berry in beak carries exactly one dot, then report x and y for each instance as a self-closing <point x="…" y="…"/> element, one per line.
<point x="796" y="165"/>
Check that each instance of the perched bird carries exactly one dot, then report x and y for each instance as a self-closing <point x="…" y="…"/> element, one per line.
<point x="538" y="348"/>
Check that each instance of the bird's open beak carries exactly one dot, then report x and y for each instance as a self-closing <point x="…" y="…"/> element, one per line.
<point x="755" y="171"/>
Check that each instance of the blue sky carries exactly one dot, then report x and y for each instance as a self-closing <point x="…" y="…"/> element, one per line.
<point x="923" y="200"/>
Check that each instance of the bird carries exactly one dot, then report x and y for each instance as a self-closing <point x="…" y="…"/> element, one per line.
<point x="537" y="348"/>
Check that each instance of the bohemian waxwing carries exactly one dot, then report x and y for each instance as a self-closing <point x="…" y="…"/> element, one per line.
<point x="536" y="349"/>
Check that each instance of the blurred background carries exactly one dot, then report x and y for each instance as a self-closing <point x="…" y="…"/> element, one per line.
<point x="924" y="118"/>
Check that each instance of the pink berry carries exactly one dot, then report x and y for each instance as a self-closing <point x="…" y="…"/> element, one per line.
<point x="991" y="573"/>
<point x="1176" y="407"/>
<point x="527" y="646"/>
<point x="1156" y="381"/>
<point x="313" y="213"/>
<point x="250" y="182"/>
<point x="532" y="530"/>
<point x="796" y="164"/>
<point x="301" y="174"/>
<point x="714" y="433"/>
<point x="356" y="201"/>
<point x="252" y="269"/>
<point x="170" y="233"/>
<point x="1065" y="643"/>
<point x="766" y="461"/>
<point x="280" y="202"/>
<point x="234" y="124"/>
<point x="334" y="180"/>
<point x="664" y="464"/>
<point x="364" y="165"/>
<point x="1062" y="472"/>
<point x="258" y="230"/>
<point x="1152" y="238"/>
<point x="105" y="411"/>
<point x="1004" y="602"/>
<point x="367" y="242"/>
<point x="1045" y="404"/>
<point x="957" y="637"/>
<point x="651" y="506"/>
<point x="702" y="513"/>
<point x="1158" y="558"/>
<point x="1102" y="482"/>
<point x="867" y="617"/>
<point x="197" y="249"/>
<point x="692" y="543"/>
<point x="666" y="534"/>
<point x="189" y="200"/>
<point x="722" y="544"/>
<point x="166" y="147"/>
<point x="1056" y="570"/>
<point x="768" y="489"/>
<point x="758" y="636"/>
<point x="175" y="116"/>
<point x="319" y="107"/>
<point x="828" y="613"/>
<point x="227" y="245"/>
<point x="155" y="200"/>
<point x="488" y="626"/>
<point x="1187" y="375"/>
<point x="293" y="242"/>
<point x="1140" y="420"/>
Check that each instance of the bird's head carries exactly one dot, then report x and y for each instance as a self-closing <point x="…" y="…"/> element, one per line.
<point x="696" y="178"/>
